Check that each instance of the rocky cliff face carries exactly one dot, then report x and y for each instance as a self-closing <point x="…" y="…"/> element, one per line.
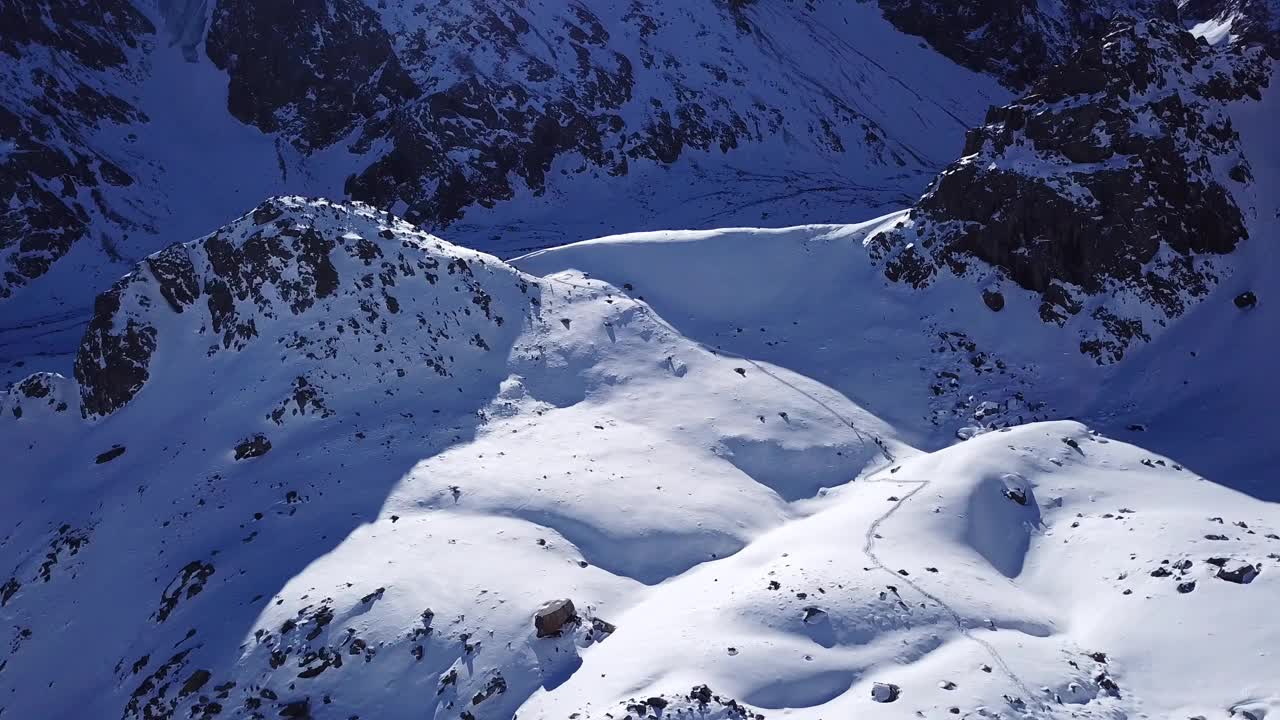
<point x="1250" y="22"/>
<point x="59" y="64"/>
<point x="1113" y="176"/>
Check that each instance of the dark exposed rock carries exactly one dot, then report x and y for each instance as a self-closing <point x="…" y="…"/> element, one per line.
<point x="885" y="692"/>
<point x="252" y="447"/>
<point x="176" y="276"/>
<point x="332" y="66"/>
<point x="112" y="362"/>
<point x="1246" y="300"/>
<point x="1016" y="494"/>
<point x="552" y="617"/>
<point x="993" y="299"/>
<point x="236" y="282"/>
<point x="1119" y="194"/>
<point x="187" y="584"/>
<point x="1243" y="573"/>
<point x="1186" y="587"/>
<point x="54" y="97"/>
<point x="109" y="455"/>
<point x="496" y="686"/>
<point x="41" y="392"/>
<point x="300" y="709"/>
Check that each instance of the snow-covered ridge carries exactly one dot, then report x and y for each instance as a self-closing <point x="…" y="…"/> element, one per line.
<point x="360" y="281"/>
<point x="356" y="471"/>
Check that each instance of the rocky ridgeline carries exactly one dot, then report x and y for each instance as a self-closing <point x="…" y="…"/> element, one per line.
<point x="1113" y="176"/>
<point x="334" y="285"/>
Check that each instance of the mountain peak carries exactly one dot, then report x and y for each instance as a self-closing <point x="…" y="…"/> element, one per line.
<point x="346" y="272"/>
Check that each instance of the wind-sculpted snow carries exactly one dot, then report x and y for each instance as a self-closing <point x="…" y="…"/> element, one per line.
<point x="330" y="466"/>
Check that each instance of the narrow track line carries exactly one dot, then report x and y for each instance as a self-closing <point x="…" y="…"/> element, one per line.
<point x="869" y="539"/>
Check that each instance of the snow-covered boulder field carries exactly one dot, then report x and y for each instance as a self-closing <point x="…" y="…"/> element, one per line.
<point x="320" y="464"/>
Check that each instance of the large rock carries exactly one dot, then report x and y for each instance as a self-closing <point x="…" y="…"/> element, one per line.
<point x="1242" y="573"/>
<point x="552" y="617"/>
<point x="885" y="692"/>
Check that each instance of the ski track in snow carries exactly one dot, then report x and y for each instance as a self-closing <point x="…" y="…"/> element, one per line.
<point x="872" y="535"/>
<point x="868" y="549"/>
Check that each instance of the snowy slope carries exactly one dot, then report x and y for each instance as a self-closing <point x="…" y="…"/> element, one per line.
<point x="320" y="464"/>
<point x="514" y="125"/>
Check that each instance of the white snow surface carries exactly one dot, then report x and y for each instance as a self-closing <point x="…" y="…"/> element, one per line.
<point x="700" y="438"/>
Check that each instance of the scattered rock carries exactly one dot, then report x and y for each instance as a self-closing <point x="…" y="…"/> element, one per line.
<point x="1186" y="587"/>
<point x="1246" y="300"/>
<point x="252" y="447"/>
<point x="813" y="615"/>
<point x="1017" y="495"/>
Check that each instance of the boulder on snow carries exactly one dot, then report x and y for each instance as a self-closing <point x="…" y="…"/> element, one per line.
<point x="813" y="615"/>
<point x="1242" y="574"/>
<point x="552" y="617"/>
<point x="106" y="457"/>
<point x="885" y="692"/>
<point x="994" y="299"/>
<point x="252" y="447"/>
<point x="1246" y="300"/>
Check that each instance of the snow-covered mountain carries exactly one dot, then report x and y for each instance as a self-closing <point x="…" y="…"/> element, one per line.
<point x="1007" y="450"/>
<point x="320" y="464"/>
<point x="1117" y="188"/>
<point x="512" y="125"/>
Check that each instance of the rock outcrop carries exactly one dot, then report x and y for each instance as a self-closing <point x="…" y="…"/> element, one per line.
<point x="1113" y="176"/>
<point x="359" y="283"/>
<point x="553" y="617"/>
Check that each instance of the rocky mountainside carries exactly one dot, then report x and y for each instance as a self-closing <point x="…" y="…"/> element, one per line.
<point x="1116" y="188"/>
<point x="512" y="125"/>
<point x="1017" y="41"/>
